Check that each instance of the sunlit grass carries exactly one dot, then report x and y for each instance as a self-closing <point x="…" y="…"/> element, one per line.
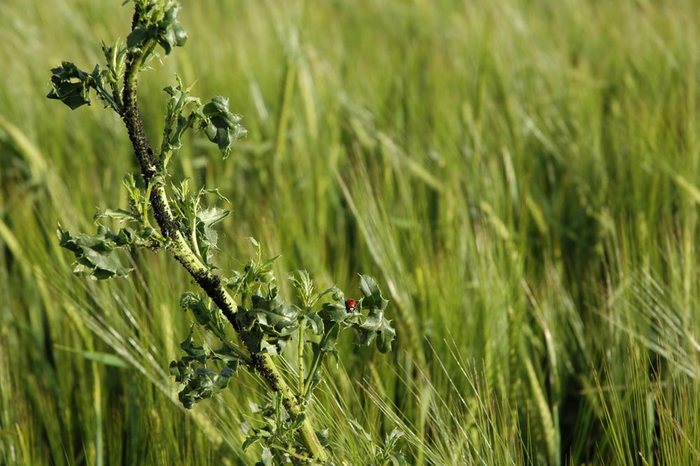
<point x="521" y="176"/>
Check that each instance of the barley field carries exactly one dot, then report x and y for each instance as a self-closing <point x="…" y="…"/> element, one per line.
<point x="522" y="177"/>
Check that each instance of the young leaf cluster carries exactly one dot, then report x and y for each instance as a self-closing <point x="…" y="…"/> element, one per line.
<point x="214" y="118"/>
<point x="157" y="21"/>
<point x="98" y="256"/>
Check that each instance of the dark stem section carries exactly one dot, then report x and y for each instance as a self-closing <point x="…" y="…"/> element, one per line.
<point x="181" y="249"/>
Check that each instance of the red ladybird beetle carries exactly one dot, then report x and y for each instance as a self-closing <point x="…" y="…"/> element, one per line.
<point x="350" y="305"/>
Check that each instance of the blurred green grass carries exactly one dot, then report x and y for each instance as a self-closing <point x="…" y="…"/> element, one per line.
<point x="520" y="175"/>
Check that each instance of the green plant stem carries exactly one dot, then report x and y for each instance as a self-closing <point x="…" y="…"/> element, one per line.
<point x="182" y="251"/>
<point x="314" y="368"/>
<point x="300" y="358"/>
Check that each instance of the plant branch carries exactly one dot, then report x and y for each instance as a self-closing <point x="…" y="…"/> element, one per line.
<point x="177" y="244"/>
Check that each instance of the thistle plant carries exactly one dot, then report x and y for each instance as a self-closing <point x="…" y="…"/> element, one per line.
<point x="240" y="318"/>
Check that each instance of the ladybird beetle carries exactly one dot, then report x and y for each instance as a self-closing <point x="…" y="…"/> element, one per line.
<point x="350" y="305"/>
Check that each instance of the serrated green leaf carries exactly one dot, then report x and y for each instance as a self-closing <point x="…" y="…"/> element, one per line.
<point x="249" y="441"/>
<point x="333" y="312"/>
<point x="315" y="323"/>
<point x="208" y="236"/>
<point x="386" y="338"/>
<point x="108" y="263"/>
<point x="70" y="85"/>
<point x="181" y="370"/>
<point x="212" y="216"/>
<point x="280" y="321"/>
<point x="376" y="326"/>
<point x="249" y="329"/>
<point x="173" y="36"/>
<point x="200" y="381"/>
<point x="138" y="36"/>
<point x="373" y="298"/>
<point x="228" y="356"/>
<point x="330" y="339"/>
<point x="192" y="349"/>
<point x="222" y="380"/>
<point x="96" y="255"/>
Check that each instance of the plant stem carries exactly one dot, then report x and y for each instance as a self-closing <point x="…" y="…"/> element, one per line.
<point x="315" y="366"/>
<point x="300" y="358"/>
<point x="180" y="248"/>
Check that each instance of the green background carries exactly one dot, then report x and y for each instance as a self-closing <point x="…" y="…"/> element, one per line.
<point x="521" y="176"/>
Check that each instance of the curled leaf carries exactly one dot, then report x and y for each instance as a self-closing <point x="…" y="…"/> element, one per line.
<point x="221" y="126"/>
<point x="70" y="85"/>
<point x="203" y="372"/>
<point x="97" y="255"/>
